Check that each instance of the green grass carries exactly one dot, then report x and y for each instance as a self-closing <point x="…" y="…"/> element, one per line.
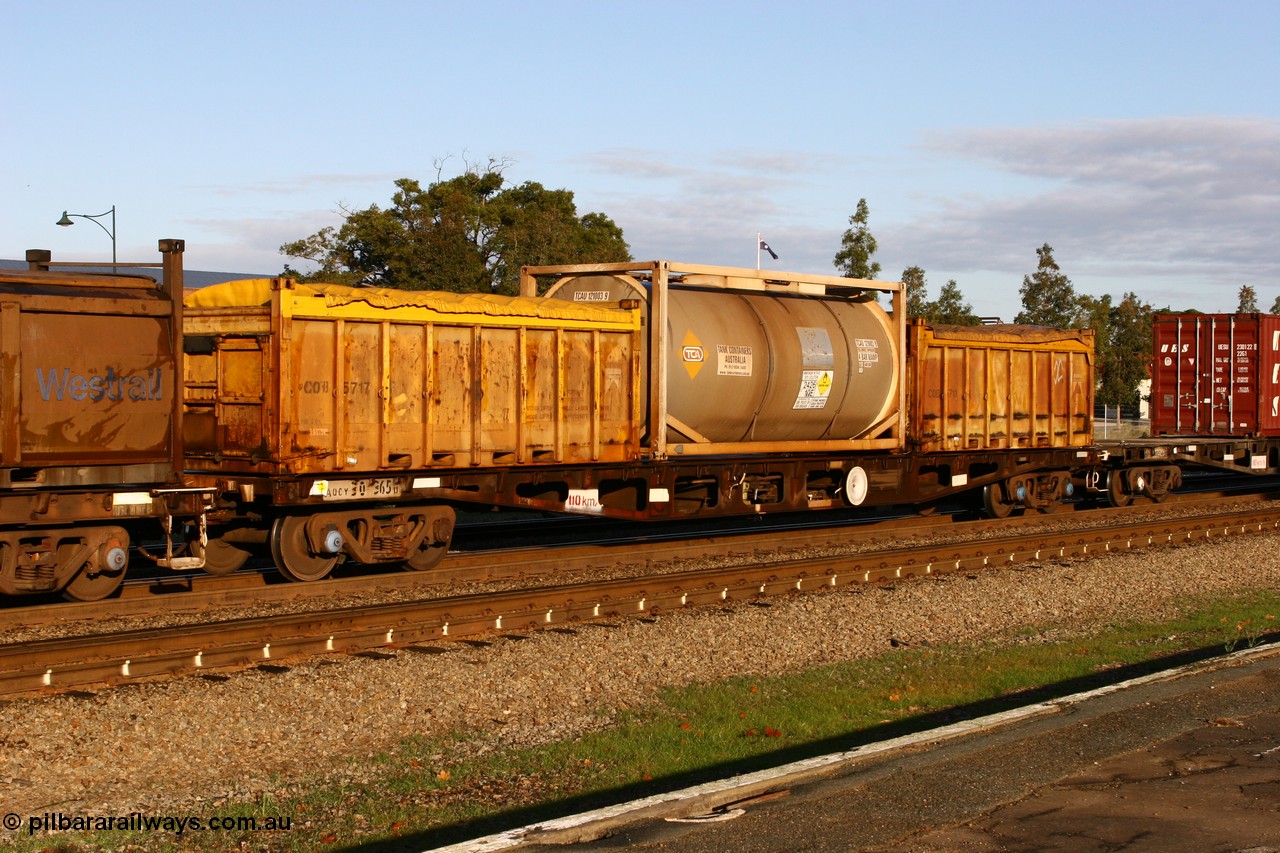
<point x="436" y="791"/>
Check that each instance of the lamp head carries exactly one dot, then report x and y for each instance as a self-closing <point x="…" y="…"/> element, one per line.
<point x="65" y="220"/>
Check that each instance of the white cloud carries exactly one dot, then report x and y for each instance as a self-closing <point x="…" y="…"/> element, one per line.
<point x="1171" y="197"/>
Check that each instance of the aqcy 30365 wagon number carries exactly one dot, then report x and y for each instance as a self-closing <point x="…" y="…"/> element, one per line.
<point x="353" y="490"/>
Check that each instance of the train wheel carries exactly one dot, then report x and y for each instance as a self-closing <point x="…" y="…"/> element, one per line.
<point x="993" y="502"/>
<point x="292" y="554"/>
<point x="427" y="556"/>
<point x="435" y="544"/>
<point x="1117" y="494"/>
<point x="223" y="558"/>
<point x="101" y="574"/>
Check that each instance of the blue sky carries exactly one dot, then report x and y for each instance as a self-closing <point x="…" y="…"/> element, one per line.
<point x="1140" y="139"/>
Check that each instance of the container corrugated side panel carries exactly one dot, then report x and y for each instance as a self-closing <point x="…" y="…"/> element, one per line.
<point x="1237" y="372"/>
<point x="368" y="387"/>
<point x="1269" y="374"/>
<point x="1166" y="360"/>
<point x="980" y="388"/>
<point x="437" y="395"/>
<point x="1216" y="374"/>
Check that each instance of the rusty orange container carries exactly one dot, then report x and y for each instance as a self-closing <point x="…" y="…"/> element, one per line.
<point x="286" y="379"/>
<point x="80" y="414"/>
<point x="997" y="387"/>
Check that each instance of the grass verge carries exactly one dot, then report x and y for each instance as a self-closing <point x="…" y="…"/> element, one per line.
<point x="436" y="792"/>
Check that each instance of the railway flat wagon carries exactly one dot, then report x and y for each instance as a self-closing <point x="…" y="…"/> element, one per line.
<point x="1216" y="375"/>
<point x="90" y="437"/>
<point x="337" y="407"/>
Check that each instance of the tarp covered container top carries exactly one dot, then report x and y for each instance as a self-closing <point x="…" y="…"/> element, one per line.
<point x="285" y="378"/>
<point x="1215" y="374"/>
<point x="1001" y="386"/>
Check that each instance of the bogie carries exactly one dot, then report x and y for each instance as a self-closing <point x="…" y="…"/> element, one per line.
<point x="308" y="547"/>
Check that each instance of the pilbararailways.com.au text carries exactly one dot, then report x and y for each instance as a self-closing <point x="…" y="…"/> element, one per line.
<point x="138" y="822"/>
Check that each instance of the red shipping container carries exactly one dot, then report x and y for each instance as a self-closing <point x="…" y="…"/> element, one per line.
<point x="1215" y="374"/>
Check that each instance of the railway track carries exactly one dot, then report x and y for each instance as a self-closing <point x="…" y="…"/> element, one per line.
<point x="85" y="661"/>
<point x="608" y="550"/>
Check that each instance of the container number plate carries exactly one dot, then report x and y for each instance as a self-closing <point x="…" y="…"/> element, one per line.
<point x="373" y="488"/>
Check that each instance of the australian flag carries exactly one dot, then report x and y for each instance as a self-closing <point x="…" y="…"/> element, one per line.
<point x="772" y="253"/>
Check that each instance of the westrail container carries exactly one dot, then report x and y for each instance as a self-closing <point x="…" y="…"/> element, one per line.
<point x="1215" y="374"/>
<point x="87" y="414"/>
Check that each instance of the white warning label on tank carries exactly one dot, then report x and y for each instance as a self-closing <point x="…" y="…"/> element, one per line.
<point x="733" y="360"/>
<point x="815" y="385"/>
<point x="868" y="350"/>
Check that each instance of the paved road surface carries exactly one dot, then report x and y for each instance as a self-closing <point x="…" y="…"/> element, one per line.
<point x="1190" y="764"/>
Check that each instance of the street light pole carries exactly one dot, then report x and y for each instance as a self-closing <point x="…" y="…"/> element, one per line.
<point x="66" y="220"/>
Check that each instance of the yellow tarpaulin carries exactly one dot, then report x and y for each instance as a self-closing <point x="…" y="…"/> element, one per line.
<point x="257" y="291"/>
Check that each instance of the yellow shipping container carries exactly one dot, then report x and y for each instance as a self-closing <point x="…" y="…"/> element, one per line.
<point x="287" y="379"/>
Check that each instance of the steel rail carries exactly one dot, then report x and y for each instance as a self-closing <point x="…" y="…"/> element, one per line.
<point x="133" y="655"/>
<point x="200" y="592"/>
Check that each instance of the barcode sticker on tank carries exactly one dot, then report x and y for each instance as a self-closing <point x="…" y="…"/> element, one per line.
<point x="733" y="360"/>
<point x="815" y="386"/>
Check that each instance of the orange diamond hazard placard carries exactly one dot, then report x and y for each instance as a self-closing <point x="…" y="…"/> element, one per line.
<point x="692" y="354"/>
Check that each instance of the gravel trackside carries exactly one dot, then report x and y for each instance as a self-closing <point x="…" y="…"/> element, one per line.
<point x="198" y="742"/>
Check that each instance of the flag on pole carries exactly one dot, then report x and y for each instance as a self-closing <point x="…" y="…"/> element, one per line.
<point x="765" y="247"/>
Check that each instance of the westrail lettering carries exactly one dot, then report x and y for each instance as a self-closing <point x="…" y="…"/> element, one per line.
<point x="60" y="384"/>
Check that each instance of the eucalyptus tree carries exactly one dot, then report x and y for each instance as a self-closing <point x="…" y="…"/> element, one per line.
<point x="1248" y="300"/>
<point x="1048" y="297"/>
<point x="469" y="233"/>
<point x="951" y="309"/>
<point x="857" y="246"/>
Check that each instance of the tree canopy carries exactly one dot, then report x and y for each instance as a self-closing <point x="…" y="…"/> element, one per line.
<point x="951" y="309"/>
<point x="1048" y="297"/>
<point x="857" y="246"/>
<point x="1248" y="300"/>
<point x="1122" y="344"/>
<point x="917" y="292"/>
<point x="1130" y="355"/>
<point x="468" y="233"/>
<point x="948" y="309"/>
